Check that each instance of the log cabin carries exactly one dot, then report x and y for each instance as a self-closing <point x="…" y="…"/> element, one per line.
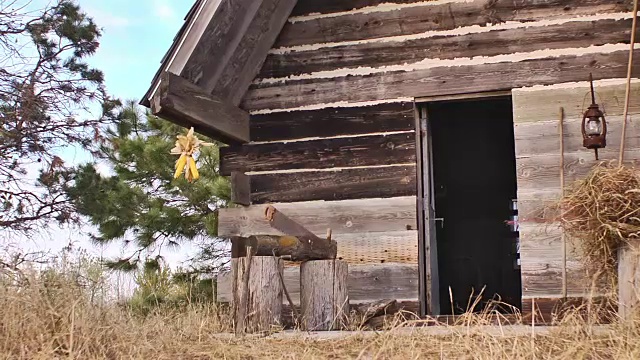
<point x="418" y="131"/>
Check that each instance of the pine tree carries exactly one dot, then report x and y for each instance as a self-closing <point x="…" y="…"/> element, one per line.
<point x="141" y="204"/>
<point x="45" y="87"/>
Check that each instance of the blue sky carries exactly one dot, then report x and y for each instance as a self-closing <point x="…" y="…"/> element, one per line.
<point x="136" y="35"/>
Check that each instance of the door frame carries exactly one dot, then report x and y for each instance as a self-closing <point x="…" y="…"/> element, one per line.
<point x="428" y="279"/>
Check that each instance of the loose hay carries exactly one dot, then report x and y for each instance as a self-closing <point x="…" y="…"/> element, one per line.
<point x="600" y="213"/>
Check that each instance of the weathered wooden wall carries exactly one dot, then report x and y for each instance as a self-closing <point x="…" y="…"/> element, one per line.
<point x="332" y="114"/>
<point x="536" y="117"/>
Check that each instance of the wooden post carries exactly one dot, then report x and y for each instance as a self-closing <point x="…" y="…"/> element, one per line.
<point x="628" y="280"/>
<point x="261" y="307"/>
<point x="323" y="295"/>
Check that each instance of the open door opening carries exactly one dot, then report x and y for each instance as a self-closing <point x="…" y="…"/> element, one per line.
<point x="469" y="166"/>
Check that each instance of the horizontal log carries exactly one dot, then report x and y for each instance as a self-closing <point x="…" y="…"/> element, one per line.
<point x="331" y="6"/>
<point x="501" y="41"/>
<point x="240" y="188"/>
<point x="315" y="154"/>
<point x="542" y="104"/>
<point x="382" y="182"/>
<point x="186" y="104"/>
<point x="366" y="283"/>
<point x="361" y="248"/>
<point x="542" y="172"/>
<point x="292" y="248"/>
<point x="436" y="81"/>
<point x="345" y="216"/>
<point x="332" y="122"/>
<point x="439" y="16"/>
<point x="542" y="137"/>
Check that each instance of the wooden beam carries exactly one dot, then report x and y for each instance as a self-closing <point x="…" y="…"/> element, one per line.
<point x="323" y="153"/>
<point x="427" y="17"/>
<point x="232" y="49"/>
<point x="343" y="217"/>
<point x="240" y="188"/>
<point x="186" y="104"/>
<point x="290" y="248"/>
<point x="309" y="244"/>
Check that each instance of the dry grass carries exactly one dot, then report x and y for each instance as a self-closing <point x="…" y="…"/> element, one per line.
<point x="602" y="212"/>
<point x="45" y="321"/>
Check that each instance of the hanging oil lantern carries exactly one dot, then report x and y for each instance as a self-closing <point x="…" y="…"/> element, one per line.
<point x="594" y="125"/>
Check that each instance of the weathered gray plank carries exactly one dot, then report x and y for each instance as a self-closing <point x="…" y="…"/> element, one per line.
<point x="345" y="216"/>
<point x="542" y="137"/>
<point x="542" y="104"/>
<point x="306" y="7"/>
<point x="378" y="182"/>
<point x="439" y="16"/>
<point x="541" y="262"/>
<point x="320" y="154"/>
<point x="501" y="41"/>
<point x="366" y="283"/>
<point x="542" y="171"/>
<point x="628" y="280"/>
<point x="439" y="81"/>
<point x="186" y="104"/>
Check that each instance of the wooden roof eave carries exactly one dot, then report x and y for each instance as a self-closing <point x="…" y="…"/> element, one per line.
<point x="215" y="56"/>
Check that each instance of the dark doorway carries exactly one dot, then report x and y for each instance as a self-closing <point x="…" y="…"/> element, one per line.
<point x="474" y="186"/>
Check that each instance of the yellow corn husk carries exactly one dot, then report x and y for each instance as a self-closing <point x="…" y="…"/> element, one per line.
<point x="193" y="168"/>
<point x="180" y="165"/>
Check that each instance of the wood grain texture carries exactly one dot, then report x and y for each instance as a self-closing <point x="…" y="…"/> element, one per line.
<point x="551" y="310"/>
<point x="628" y="280"/>
<point x="439" y="81"/>
<point x="188" y="105"/>
<point x="264" y="306"/>
<point x="305" y="7"/>
<point x="366" y="283"/>
<point x="332" y="122"/>
<point x="543" y="171"/>
<point x="541" y="263"/>
<point x="542" y="137"/>
<point x="344" y="184"/>
<point x="245" y="62"/>
<point x="234" y="45"/>
<point x="324" y="299"/>
<point x="240" y="188"/>
<point x="345" y="216"/>
<point x="440" y="16"/>
<point x="491" y="43"/>
<point x="543" y="104"/>
<point x="320" y="154"/>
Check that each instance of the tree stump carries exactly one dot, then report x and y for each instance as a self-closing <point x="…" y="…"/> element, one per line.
<point x="628" y="280"/>
<point x="260" y="309"/>
<point x="324" y="298"/>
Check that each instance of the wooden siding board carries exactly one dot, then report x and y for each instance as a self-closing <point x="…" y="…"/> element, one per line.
<point x="305" y="7"/>
<point x="439" y="81"/>
<point x="366" y="283"/>
<point x="491" y="43"/>
<point x="344" y="184"/>
<point x="330" y="122"/>
<point x="541" y="262"/>
<point x="440" y="16"/>
<point x="343" y="217"/>
<point x="320" y="154"/>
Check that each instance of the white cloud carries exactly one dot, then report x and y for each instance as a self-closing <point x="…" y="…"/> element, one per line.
<point x="163" y="9"/>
